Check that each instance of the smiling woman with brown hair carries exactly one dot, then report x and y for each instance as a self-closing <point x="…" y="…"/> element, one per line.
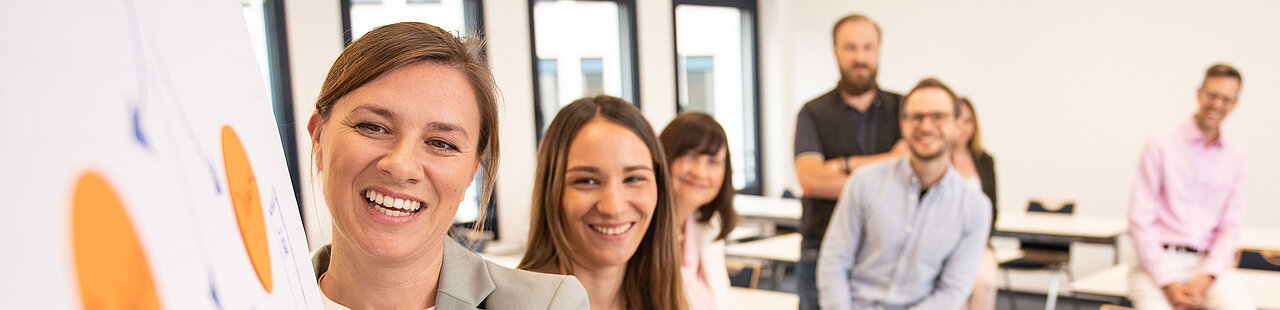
<point x="405" y="118"/>
<point x="702" y="184"/>
<point x="602" y="208"/>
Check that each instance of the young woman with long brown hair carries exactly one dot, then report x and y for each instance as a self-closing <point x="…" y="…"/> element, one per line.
<point x="602" y="208"/>
<point x="702" y="185"/>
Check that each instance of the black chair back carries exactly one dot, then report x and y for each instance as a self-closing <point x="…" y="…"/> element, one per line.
<point x="1260" y="260"/>
<point x="1049" y="206"/>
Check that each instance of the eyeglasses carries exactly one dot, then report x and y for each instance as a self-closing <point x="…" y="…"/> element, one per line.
<point x="937" y="117"/>
<point x="1229" y="100"/>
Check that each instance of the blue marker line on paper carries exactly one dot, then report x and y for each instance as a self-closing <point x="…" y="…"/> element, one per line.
<point x="137" y="128"/>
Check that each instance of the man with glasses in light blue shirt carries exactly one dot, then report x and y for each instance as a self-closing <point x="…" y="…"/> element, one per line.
<point x="907" y="233"/>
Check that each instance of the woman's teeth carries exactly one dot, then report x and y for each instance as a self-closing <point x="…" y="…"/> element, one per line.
<point x="612" y="230"/>
<point x="392" y="206"/>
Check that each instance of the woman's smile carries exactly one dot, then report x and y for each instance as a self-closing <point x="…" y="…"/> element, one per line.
<point x="389" y="205"/>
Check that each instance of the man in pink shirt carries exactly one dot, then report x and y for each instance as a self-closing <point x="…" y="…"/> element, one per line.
<point x="1188" y="201"/>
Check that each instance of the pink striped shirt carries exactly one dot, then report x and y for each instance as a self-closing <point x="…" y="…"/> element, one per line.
<point x="1190" y="194"/>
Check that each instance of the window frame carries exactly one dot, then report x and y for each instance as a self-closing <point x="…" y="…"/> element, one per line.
<point x="629" y="45"/>
<point x="749" y="6"/>
<point x="473" y="9"/>
<point x="281" y="92"/>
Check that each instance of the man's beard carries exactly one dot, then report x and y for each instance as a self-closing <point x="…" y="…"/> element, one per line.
<point x="928" y="157"/>
<point x="851" y="84"/>
<point x="946" y="145"/>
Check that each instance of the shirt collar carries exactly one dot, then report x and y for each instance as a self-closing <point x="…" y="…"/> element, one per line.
<point x="912" y="181"/>
<point x="875" y="101"/>
<point x="464" y="279"/>
<point x="1192" y="133"/>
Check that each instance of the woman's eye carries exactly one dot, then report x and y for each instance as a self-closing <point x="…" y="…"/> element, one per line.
<point x="371" y="128"/>
<point x="633" y="179"/>
<point x="585" y="181"/>
<point x="439" y="144"/>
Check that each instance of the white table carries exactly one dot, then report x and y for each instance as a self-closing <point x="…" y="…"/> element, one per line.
<point x="745" y="298"/>
<point x="1063" y="229"/>
<point x="784" y="248"/>
<point x="1260" y="238"/>
<point x="1113" y="284"/>
<point x="743" y="232"/>
<point x="1082" y="228"/>
<point x="770" y="211"/>
<point x="777" y="252"/>
<point x="1007" y="255"/>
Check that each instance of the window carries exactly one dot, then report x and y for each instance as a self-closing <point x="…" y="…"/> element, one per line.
<point x="265" y="20"/>
<point x="548" y="78"/>
<point x="581" y="48"/>
<point x="698" y="94"/>
<point x="462" y="18"/>
<point x="716" y="73"/>
<point x="592" y="76"/>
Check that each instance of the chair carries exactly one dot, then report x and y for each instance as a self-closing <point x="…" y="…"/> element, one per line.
<point x="744" y="271"/>
<point x="1042" y="255"/>
<point x="1052" y="206"/>
<point x="1260" y="260"/>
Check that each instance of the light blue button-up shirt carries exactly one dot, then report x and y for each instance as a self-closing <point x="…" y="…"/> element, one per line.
<point x="888" y="247"/>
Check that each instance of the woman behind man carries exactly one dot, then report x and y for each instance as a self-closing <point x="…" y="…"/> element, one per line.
<point x="702" y="184"/>
<point x="979" y="169"/>
<point x="602" y="207"/>
<point x="405" y="118"/>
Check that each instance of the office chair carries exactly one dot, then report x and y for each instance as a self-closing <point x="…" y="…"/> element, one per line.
<point x="1040" y="255"/>
<point x="1260" y="260"/>
<point x="744" y="273"/>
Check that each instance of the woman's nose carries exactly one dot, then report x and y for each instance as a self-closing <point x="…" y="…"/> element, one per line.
<point x="612" y="202"/>
<point x="401" y="162"/>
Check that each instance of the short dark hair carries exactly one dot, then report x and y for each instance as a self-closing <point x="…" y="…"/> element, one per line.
<point x="700" y="133"/>
<point x="854" y="18"/>
<point x="931" y="83"/>
<point x="1221" y="70"/>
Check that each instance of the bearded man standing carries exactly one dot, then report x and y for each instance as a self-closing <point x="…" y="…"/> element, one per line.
<point x="853" y="125"/>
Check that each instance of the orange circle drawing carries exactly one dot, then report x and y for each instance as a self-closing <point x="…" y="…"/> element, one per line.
<point x="110" y="265"/>
<point x="247" y="204"/>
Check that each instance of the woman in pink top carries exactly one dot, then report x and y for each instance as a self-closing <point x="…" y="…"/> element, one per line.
<point x="697" y="148"/>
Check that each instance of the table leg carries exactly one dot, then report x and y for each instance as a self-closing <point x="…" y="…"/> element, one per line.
<point x="1115" y="253"/>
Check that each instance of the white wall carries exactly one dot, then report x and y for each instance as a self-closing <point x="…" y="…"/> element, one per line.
<point x="1066" y="92"/>
<point x="509" y="55"/>
<point x="656" y="46"/>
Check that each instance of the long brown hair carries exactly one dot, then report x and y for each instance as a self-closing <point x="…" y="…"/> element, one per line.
<point x="699" y="132"/>
<point x="975" y="142"/>
<point x="392" y="46"/>
<point x="652" y="279"/>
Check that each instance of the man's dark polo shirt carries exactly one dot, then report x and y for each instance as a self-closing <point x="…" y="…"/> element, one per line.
<point x="829" y="126"/>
